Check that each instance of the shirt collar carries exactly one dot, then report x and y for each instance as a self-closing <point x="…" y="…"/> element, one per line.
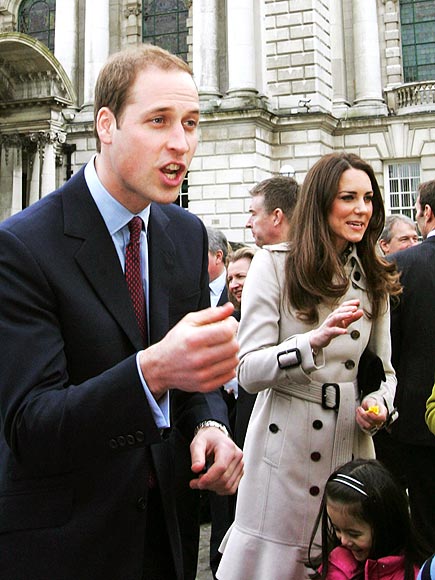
<point x="218" y="284"/>
<point x="114" y="214"/>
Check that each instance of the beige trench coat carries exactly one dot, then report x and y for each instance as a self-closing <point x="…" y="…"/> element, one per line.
<point x="293" y="444"/>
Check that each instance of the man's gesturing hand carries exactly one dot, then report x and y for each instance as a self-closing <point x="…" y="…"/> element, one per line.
<point x="198" y="354"/>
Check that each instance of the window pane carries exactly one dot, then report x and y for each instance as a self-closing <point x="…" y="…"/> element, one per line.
<point x="403" y="182"/>
<point x="165" y="24"/>
<point x="418" y="44"/>
<point x="37" y="19"/>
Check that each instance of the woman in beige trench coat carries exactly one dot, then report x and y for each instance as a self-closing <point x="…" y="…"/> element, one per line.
<point x="301" y="356"/>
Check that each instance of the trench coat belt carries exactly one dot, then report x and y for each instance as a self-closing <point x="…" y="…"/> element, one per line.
<point x="345" y="403"/>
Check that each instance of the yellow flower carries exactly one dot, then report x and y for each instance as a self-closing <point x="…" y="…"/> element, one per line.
<point x="374" y="409"/>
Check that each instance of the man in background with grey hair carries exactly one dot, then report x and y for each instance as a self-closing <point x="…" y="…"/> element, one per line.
<point x="399" y="233"/>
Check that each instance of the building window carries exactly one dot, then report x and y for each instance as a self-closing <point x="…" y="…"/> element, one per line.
<point x="402" y="181"/>
<point x="183" y="199"/>
<point x="417" y="18"/>
<point x="165" y="24"/>
<point x="37" y="19"/>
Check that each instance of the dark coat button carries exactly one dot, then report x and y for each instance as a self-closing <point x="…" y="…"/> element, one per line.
<point x="315" y="456"/>
<point x="349" y="364"/>
<point x="140" y="436"/>
<point x="314" y="490"/>
<point x="354" y="286"/>
<point x="355" y="334"/>
<point x="273" y="428"/>
<point x="131" y="440"/>
<point x="317" y="424"/>
<point x="357" y="275"/>
<point x="121" y="440"/>
<point x="141" y="504"/>
<point x="113" y="444"/>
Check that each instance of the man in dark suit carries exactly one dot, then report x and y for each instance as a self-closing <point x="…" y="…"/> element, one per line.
<point x="86" y="472"/>
<point x="409" y="451"/>
<point x="217" y="272"/>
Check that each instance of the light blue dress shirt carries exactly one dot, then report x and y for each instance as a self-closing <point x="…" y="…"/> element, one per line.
<point x="116" y="218"/>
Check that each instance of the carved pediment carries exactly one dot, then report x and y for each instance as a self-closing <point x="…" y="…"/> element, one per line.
<point x="30" y="72"/>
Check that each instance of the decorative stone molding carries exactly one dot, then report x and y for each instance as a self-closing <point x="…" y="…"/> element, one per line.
<point x="132" y="9"/>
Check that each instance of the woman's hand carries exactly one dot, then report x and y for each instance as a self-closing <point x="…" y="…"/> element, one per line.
<point x="335" y="324"/>
<point x="371" y="415"/>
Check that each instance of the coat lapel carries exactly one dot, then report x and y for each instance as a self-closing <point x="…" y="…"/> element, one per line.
<point x="161" y="254"/>
<point x="97" y="255"/>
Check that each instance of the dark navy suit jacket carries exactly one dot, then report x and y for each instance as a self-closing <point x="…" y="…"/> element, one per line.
<point x="413" y="342"/>
<point x="76" y="428"/>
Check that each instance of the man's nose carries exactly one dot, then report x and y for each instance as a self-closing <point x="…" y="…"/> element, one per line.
<point x="178" y="140"/>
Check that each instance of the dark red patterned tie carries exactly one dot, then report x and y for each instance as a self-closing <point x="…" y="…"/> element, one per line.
<point x="133" y="275"/>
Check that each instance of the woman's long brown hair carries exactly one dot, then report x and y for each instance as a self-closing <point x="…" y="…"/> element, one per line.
<point x="314" y="270"/>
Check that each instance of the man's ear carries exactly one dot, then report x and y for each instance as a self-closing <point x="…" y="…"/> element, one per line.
<point x="219" y="256"/>
<point x="277" y="216"/>
<point x="384" y="246"/>
<point x="428" y="213"/>
<point x="105" y="124"/>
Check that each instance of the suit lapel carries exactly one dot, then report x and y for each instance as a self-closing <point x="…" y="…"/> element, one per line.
<point x="97" y="255"/>
<point x="161" y="254"/>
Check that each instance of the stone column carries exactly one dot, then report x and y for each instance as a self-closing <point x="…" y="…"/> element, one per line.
<point x="340" y="102"/>
<point x="65" y="37"/>
<point x="96" y="44"/>
<point x="10" y="175"/>
<point x="241" y="49"/>
<point x="367" y="60"/>
<point x="205" y="48"/>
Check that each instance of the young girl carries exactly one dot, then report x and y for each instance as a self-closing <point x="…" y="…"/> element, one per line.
<point x="366" y="530"/>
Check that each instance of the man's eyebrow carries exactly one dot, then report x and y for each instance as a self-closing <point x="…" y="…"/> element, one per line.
<point x="157" y="110"/>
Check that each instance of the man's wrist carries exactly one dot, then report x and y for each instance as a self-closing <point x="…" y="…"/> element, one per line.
<point x="211" y="423"/>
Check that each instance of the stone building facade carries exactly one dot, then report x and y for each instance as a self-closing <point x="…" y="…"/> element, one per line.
<point x="281" y="83"/>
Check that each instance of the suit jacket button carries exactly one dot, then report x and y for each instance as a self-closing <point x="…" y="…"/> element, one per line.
<point x="355" y="334"/>
<point x="273" y="428"/>
<point x="141" y="504"/>
<point x="314" y="490"/>
<point x="315" y="456"/>
<point x="113" y="444"/>
<point x="357" y="275"/>
<point x="140" y="436"/>
<point x="121" y="440"/>
<point x="317" y="424"/>
<point x="349" y="364"/>
<point x="131" y="440"/>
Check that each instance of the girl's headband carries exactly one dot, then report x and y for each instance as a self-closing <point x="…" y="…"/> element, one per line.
<point x="350" y="482"/>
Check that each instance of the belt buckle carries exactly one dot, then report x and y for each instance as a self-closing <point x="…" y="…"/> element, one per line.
<point x="325" y="404"/>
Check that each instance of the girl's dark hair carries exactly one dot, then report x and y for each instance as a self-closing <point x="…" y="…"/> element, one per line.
<point x="314" y="271"/>
<point x="385" y="508"/>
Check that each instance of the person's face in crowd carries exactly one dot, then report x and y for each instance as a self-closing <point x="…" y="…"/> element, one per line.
<point x="421" y="218"/>
<point x="236" y="275"/>
<point x="215" y="265"/>
<point x="353" y="533"/>
<point x="403" y="236"/>
<point x="351" y="209"/>
<point x="147" y="153"/>
<point x="260" y="222"/>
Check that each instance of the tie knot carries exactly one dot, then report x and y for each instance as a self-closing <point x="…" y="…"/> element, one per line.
<point x="135" y="227"/>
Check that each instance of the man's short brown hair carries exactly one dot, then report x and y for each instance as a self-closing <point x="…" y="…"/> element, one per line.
<point x="278" y="192"/>
<point x="119" y="74"/>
